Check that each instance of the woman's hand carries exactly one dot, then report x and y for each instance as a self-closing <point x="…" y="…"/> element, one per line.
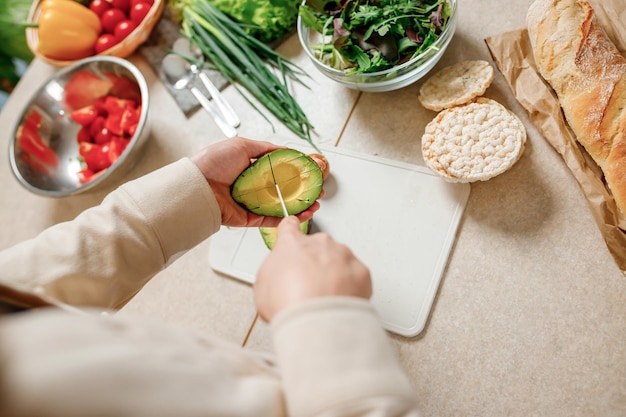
<point x="221" y="163"/>
<point x="301" y="267"/>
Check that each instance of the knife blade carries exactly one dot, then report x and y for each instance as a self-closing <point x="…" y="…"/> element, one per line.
<point x="280" y="195"/>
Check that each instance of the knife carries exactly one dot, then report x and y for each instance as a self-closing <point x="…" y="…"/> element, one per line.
<point x="280" y="195"/>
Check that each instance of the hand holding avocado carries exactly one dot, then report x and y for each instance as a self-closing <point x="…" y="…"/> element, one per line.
<point x="223" y="163"/>
<point x="302" y="267"/>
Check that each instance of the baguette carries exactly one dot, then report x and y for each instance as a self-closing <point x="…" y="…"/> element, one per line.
<point x="588" y="75"/>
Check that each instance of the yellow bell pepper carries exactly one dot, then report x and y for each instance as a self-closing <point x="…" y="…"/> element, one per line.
<point x="67" y="30"/>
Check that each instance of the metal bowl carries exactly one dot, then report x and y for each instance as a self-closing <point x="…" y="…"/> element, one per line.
<point x="59" y="133"/>
<point x="390" y="79"/>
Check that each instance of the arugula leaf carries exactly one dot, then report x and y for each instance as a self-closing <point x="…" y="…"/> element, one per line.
<point x="365" y="15"/>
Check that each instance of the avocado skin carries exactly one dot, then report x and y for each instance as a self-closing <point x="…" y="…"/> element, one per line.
<point x="299" y="177"/>
<point x="269" y="234"/>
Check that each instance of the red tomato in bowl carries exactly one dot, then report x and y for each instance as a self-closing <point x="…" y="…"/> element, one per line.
<point x="99" y="6"/>
<point x="123" y="5"/>
<point x="104" y="42"/>
<point x="133" y="2"/>
<point x="110" y="18"/>
<point x="123" y="29"/>
<point x="139" y="11"/>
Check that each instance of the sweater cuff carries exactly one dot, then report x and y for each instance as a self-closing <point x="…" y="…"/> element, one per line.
<point x="189" y="213"/>
<point x="337" y="346"/>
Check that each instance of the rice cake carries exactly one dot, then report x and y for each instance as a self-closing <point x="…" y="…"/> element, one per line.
<point x="456" y="85"/>
<point x="473" y="142"/>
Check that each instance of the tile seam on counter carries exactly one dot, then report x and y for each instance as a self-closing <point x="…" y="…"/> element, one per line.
<point x="345" y="125"/>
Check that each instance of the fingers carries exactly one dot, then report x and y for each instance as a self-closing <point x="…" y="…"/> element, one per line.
<point x="256" y="148"/>
<point x="254" y="220"/>
<point x="289" y="226"/>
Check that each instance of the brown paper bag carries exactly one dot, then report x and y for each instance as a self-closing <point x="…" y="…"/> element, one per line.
<point x="512" y="54"/>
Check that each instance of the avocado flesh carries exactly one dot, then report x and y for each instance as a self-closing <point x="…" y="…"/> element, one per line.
<point x="269" y="234"/>
<point x="297" y="175"/>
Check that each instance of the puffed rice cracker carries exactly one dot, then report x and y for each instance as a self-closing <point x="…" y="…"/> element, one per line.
<point x="456" y="85"/>
<point x="473" y="142"/>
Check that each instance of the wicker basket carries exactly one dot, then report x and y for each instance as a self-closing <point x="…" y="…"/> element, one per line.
<point x="122" y="49"/>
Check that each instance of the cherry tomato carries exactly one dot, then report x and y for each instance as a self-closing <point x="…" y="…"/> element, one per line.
<point x="139" y="11"/>
<point x="133" y="2"/>
<point x="123" y="5"/>
<point x="123" y="29"/>
<point x="104" y="42"/>
<point x="110" y="18"/>
<point x="99" y="6"/>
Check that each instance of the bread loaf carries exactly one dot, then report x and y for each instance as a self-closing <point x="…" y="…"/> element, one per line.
<point x="588" y="74"/>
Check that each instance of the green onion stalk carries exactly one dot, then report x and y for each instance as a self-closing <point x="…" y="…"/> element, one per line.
<point x="245" y="61"/>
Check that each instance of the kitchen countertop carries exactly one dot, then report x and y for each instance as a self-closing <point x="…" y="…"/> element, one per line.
<point x="530" y="317"/>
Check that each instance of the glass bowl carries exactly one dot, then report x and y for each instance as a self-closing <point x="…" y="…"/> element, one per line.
<point x="390" y="79"/>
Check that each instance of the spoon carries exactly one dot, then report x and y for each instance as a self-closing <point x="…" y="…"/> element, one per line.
<point x="185" y="48"/>
<point x="176" y="71"/>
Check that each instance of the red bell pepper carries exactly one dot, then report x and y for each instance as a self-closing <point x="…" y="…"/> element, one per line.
<point x="84" y="115"/>
<point x="30" y="142"/>
<point x="96" y="156"/>
<point x="84" y="87"/>
<point x="130" y="120"/>
<point x="117" y="145"/>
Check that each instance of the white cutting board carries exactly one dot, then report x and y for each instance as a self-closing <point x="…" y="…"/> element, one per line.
<point x="399" y="219"/>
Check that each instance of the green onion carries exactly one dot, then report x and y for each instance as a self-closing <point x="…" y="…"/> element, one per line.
<point x="245" y="61"/>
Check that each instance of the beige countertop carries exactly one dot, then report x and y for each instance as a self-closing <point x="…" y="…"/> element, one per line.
<point x="529" y="319"/>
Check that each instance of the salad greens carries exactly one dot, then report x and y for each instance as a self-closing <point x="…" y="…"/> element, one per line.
<point x="266" y="20"/>
<point x="363" y="36"/>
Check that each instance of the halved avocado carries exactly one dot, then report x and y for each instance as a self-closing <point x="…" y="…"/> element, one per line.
<point x="269" y="233"/>
<point x="297" y="175"/>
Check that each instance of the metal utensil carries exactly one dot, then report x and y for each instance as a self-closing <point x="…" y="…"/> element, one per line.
<point x="176" y="71"/>
<point x="185" y="48"/>
<point x="280" y="195"/>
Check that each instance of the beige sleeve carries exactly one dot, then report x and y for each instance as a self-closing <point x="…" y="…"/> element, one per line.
<point x="105" y="255"/>
<point x="59" y="364"/>
<point x="336" y="360"/>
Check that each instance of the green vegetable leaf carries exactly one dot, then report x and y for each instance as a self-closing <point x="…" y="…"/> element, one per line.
<point x="382" y="30"/>
<point x="12" y="14"/>
<point x="405" y="44"/>
<point x="313" y="20"/>
<point x="382" y="33"/>
<point x="365" y="15"/>
<point x="266" y="20"/>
